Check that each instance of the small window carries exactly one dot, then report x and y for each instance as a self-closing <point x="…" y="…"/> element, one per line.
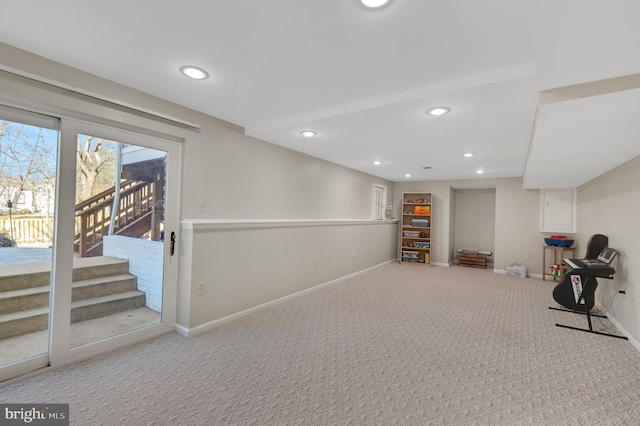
<point x="379" y="201"/>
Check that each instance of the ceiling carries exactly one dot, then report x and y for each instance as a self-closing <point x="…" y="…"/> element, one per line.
<point x="363" y="79"/>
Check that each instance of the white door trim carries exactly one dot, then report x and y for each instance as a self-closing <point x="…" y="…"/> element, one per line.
<point x="60" y="352"/>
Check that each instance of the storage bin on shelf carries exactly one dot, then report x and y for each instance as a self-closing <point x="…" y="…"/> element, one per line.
<point x="409" y="256"/>
<point x="426" y="210"/>
<point x="421" y="244"/>
<point x="411" y="234"/>
<point x="420" y="223"/>
<point x="411" y="200"/>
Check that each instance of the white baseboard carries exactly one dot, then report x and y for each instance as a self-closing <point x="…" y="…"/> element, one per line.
<point x="624" y="332"/>
<point x="188" y="332"/>
<point x="181" y="330"/>
<point x="446" y="265"/>
<point x="620" y="328"/>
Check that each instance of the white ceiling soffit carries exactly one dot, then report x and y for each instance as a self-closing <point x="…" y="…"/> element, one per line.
<point x="580" y="139"/>
<point x="587" y="61"/>
<point x="361" y="78"/>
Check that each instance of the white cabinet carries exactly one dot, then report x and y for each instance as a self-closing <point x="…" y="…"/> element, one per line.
<point x="558" y="210"/>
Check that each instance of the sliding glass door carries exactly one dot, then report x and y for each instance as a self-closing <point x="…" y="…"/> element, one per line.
<point x="88" y="263"/>
<point x="118" y="238"/>
<point x="28" y="159"/>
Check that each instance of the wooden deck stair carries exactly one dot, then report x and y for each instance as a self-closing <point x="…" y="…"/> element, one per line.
<point x="100" y="286"/>
<point x="133" y="217"/>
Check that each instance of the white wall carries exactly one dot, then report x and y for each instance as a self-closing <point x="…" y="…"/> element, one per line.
<point x="610" y="205"/>
<point x="237" y="176"/>
<point x="516" y="220"/>
<point x="238" y="265"/>
<point x="475" y="218"/>
<point x="518" y="234"/>
<point x="232" y="176"/>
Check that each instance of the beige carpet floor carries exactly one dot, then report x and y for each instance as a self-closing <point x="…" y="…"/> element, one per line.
<point x="397" y="345"/>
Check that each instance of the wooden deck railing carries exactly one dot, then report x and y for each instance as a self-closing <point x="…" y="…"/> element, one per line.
<point x="93" y="216"/>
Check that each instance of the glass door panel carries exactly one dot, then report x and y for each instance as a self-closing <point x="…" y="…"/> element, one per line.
<point x="28" y="175"/>
<point x="83" y="262"/>
<point x="118" y="277"/>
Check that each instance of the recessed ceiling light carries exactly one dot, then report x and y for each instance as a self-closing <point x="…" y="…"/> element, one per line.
<point x="407" y="175"/>
<point x="468" y="154"/>
<point x="479" y="172"/>
<point x="438" y="111"/>
<point x="377" y="162"/>
<point x="194" y="72"/>
<point x="308" y="133"/>
<point x="374" y="3"/>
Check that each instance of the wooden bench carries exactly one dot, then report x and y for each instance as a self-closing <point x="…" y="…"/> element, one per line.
<point x="472" y="260"/>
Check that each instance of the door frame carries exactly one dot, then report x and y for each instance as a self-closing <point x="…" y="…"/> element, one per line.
<point x="62" y="259"/>
<point x="60" y="353"/>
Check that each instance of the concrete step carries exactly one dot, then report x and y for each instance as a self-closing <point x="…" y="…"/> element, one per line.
<point x="38" y="297"/>
<point x="24" y="275"/>
<point x="87" y="268"/>
<point x="18" y="323"/>
<point x="102" y="286"/>
<point x="106" y="305"/>
<point x="23" y="322"/>
<point x="23" y="300"/>
<point x="30" y="275"/>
